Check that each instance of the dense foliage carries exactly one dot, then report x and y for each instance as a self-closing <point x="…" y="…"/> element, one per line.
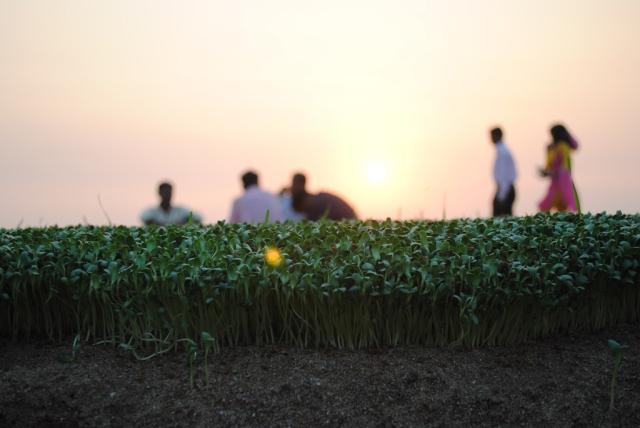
<point x="355" y="284"/>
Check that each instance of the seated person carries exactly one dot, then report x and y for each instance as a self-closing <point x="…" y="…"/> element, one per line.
<point x="165" y="213"/>
<point x="253" y="205"/>
<point x="318" y="206"/>
<point x="287" y="206"/>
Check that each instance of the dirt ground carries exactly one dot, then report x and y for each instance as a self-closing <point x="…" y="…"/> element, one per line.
<point x="562" y="381"/>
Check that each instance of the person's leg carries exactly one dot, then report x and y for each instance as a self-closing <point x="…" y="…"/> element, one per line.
<point x="568" y="195"/>
<point x="496" y="206"/>
<point x="546" y="204"/>
<point x="500" y="208"/>
<point x="510" y="200"/>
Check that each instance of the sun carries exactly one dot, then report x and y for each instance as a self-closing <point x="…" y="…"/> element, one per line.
<point x="377" y="173"/>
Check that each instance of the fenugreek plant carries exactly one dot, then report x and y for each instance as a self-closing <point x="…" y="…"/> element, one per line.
<point x="192" y="354"/>
<point x="207" y="342"/>
<point x="75" y="351"/>
<point x="75" y="348"/>
<point x="617" y="351"/>
<point x="339" y="284"/>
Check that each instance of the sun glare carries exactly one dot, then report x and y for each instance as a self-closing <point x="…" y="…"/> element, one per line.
<point x="377" y="173"/>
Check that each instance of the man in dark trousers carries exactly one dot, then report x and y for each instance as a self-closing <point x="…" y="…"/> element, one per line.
<point x="504" y="173"/>
<point x="318" y="206"/>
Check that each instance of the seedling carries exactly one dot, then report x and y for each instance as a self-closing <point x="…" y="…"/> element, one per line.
<point x="207" y="341"/>
<point x="75" y="351"/>
<point x="342" y="284"/>
<point x="617" y="351"/>
<point x="75" y="348"/>
<point x="192" y="354"/>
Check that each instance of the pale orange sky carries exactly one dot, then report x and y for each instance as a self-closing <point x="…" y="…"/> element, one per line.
<point x="110" y="97"/>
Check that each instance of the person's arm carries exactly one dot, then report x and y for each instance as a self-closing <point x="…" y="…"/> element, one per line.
<point x="513" y="169"/>
<point x="556" y="160"/>
<point x="235" y="213"/>
<point x="546" y="171"/>
<point x="504" y="175"/>
<point x="196" y="218"/>
<point x="503" y="190"/>
<point x="148" y="218"/>
<point x="573" y="143"/>
<point x="276" y="213"/>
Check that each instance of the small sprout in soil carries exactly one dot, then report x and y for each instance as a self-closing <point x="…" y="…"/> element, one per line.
<point x="207" y="341"/>
<point x="75" y="351"/>
<point x="192" y="354"/>
<point x="616" y="350"/>
<point x="75" y="348"/>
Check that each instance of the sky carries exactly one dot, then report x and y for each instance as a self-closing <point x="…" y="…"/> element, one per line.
<point x="102" y="100"/>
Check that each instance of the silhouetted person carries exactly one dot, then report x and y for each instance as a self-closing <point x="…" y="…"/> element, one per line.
<point x="253" y="205"/>
<point x="505" y="174"/>
<point x="321" y="205"/>
<point x="562" y="194"/>
<point x="165" y="213"/>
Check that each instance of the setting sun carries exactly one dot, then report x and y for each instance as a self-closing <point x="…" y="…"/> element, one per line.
<point x="386" y="105"/>
<point x="376" y="173"/>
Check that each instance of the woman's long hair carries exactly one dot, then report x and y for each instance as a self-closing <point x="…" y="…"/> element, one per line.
<point x="559" y="133"/>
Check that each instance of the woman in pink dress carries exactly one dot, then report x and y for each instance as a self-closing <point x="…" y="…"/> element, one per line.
<point x="562" y="194"/>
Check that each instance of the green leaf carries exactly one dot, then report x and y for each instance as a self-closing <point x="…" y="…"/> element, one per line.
<point x="616" y="347"/>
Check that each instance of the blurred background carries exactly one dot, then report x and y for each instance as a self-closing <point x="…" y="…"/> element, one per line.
<point x="387" y="103"/>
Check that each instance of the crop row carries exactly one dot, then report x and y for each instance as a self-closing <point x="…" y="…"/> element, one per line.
<point x="346" y="284"/>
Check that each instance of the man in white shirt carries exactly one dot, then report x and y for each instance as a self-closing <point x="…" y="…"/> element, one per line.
<point x="504" y="173"/>
<point x="253" y="205"/>
<point x="165" y="213"/>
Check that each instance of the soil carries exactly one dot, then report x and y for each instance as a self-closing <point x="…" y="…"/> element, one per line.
<point x="562" y="381"/>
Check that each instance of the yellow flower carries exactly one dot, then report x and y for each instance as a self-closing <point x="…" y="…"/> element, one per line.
<point x="273" y="257"/>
